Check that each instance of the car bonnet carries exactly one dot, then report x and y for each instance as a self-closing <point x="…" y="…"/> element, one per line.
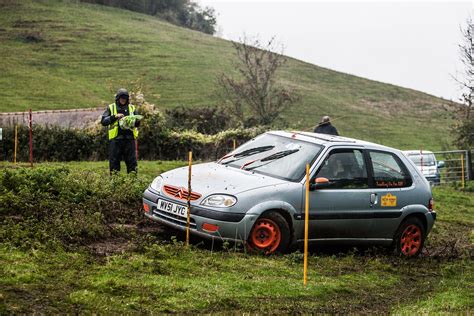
<point x="211" y="178"/>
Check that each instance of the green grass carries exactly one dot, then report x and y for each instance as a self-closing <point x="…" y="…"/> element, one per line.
<point x="88" y="51"/>
<point x="173" y="278"/>
<point x="154" y="272"/>
<point x="454" y="205"/>
<point x="453" y="293"/>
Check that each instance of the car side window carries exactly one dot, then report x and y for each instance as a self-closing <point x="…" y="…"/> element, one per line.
<point x="345" y="169"/>
<point x="389" y="171"/>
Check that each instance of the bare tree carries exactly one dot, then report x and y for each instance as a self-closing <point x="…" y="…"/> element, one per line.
<point x="466" y="78"/>
<point x="256" y="92"/>
<point x="465" y="128"/>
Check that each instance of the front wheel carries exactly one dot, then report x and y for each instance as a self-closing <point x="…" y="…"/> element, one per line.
<point x="410" y="237"/>
<point x="269" y="234"/>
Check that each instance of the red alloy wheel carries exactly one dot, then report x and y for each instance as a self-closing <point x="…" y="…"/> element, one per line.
<point x="265" y="236"/>
<point x="410" y="242"/>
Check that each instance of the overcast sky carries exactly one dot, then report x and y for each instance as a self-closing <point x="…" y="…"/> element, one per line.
<point x="407" y="43"/>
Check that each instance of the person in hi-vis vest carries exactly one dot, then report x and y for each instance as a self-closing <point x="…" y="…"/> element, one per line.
<point x="121" y="141"/>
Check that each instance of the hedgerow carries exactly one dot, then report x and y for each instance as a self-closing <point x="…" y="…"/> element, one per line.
<point x="155" y="142"/>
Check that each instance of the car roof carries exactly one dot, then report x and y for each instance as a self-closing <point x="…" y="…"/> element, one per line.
<point x="416" y="152"/>
<point x="328" y="140"/>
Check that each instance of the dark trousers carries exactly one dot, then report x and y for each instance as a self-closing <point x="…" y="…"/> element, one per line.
<point x="122" y="149"/>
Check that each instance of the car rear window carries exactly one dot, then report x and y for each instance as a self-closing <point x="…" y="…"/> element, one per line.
<point x="389" y="170"/>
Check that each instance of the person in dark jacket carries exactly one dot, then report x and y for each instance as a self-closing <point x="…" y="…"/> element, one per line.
<point x="325" y="127"/>
<point x="122" y="141"/>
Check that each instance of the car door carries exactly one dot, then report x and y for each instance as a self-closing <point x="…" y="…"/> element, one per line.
<point x="392" y="189"/>
<point x="342" y="210"/>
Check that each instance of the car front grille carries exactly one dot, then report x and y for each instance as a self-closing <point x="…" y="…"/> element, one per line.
<point x="180" y="193"/>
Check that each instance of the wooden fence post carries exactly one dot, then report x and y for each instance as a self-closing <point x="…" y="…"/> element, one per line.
<point x="469" y="165"/>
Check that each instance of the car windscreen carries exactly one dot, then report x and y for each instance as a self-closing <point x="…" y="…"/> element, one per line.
<point x="425" y="159"/>
<point x="275" y="156"/>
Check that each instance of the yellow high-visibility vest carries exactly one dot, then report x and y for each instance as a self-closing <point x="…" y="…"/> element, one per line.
<point x="114" y="127"/>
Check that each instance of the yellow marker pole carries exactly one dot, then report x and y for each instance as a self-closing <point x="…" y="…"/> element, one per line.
<point x="462" y="171"/>
<point x="233" y="141"/>
<point x="190" y="160"/>
<point x="16" y="143"/>
<point x="306" y="220"/>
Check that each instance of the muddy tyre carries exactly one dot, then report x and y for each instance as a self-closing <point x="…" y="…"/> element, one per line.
<point x="410" y="238"/>
<point x="270" y="234"/>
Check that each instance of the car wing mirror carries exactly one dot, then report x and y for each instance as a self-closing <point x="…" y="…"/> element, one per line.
<point x="441" y="164"/>
<point x="319" y="183"/>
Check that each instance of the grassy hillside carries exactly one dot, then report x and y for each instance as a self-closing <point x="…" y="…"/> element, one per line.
<point x="68" y="55"/>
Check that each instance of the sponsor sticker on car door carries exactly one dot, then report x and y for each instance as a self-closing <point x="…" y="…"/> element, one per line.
<point x="389" y="200"/>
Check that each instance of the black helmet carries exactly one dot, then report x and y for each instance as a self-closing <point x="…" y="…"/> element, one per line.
<point x="121" y="93"/>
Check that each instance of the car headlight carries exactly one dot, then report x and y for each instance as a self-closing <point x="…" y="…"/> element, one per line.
<point x="219" y="200"/>
<point x="156" y="184"/>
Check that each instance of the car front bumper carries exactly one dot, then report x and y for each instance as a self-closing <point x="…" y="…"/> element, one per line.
<point x="232" y="226"/>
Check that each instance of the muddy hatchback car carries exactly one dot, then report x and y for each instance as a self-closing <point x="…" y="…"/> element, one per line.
<point x="360" y="193"/>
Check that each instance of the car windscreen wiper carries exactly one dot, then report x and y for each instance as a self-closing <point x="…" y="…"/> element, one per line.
<point x="279" y="154"/>
<point x="270" y="158"/>
<point x="246" y="153"/>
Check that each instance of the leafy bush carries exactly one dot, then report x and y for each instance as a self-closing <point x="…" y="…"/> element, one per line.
<point x="55" y="144"/>
<point x="58" y="206"/>
<point x="206" y="120"/>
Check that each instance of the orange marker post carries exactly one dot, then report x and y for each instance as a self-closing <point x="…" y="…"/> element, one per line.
<point x="306" y="219"/>
<point x="190" y="160"/>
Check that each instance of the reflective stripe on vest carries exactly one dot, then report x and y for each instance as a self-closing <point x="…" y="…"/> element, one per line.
<point x="114" y="127"/>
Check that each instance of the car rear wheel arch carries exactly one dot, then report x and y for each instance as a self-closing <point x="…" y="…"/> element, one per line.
<point x="419" y="216"/>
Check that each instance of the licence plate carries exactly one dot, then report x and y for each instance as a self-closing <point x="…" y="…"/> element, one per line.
<point x="172" y="208"/>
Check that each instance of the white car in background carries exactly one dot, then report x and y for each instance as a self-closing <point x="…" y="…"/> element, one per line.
<point x="426" y="162"/>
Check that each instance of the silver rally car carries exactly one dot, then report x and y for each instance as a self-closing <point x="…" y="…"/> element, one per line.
<point x="360" y="193"/>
